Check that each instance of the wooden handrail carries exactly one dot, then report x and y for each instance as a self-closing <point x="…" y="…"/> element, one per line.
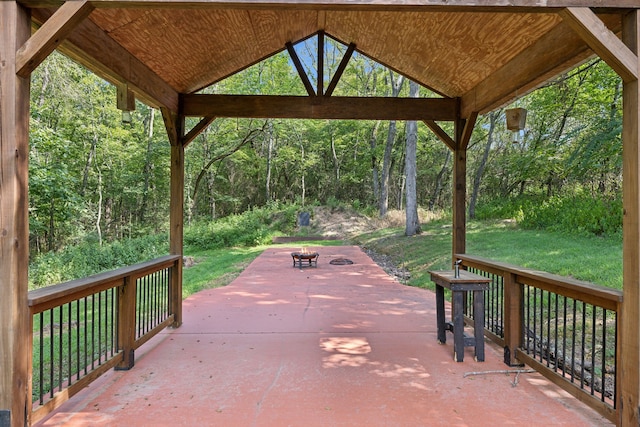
<point x="577" y="289"/>
<point x="51" y="296"/>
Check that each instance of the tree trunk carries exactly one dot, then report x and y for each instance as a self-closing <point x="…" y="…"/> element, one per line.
<point x="396" y="85"/>
<point x="375" y="173"/>
<point x="412" y="225"/>
<point x="493" y="118"/>
<point x="438" y="188"/>
<point x="148" y="166"/>
<point x="267" y="187"/>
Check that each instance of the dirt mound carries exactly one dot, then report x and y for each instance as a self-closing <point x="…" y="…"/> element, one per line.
<point x="340" y="222"/>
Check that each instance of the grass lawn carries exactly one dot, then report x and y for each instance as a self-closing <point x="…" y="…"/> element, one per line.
<point x="593" y="259"/>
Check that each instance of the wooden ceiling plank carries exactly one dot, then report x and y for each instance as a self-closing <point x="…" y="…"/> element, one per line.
<point x="197" y="129"/>
<point x="340" y="70"/>
<point x="555" y="52"/>
<point x="50" y="35"/>
<point x="440" y="133"/>
<point x="298" y="107"/>
<point x="603" y="42"/>
<point x="303" y="75"/>
<point x="89" y="45"/>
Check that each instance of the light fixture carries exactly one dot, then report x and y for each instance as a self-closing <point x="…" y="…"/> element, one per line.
<point x="516" y="120"/>
<point x="126" y="117"/>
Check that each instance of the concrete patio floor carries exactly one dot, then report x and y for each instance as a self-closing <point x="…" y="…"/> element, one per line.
<point x="336" y="345"/>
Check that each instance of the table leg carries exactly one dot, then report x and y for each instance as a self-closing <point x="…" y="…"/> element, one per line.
<point x="442" y="333"/>
<point x="478" y="324"/>
<point x="458" y="326"/>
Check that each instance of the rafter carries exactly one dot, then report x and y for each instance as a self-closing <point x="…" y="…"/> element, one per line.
<point x="50" y="35"/>
<point x="557" y="51"/>
<point x="298" y="64"/>
<point x="197" y="130"/>
<point x="406" y="5"/>
<point x="603" y="42"/>
<point x="93" y="48"/>
<point x="340" y="70"/>
<point x="296" y="107"/>
<point x="441" y="134"/>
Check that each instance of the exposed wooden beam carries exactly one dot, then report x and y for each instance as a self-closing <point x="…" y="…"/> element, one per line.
<point x="89" y="45"/>
<point x="15" y="320"/>
<point x="172" y="124"/>
<point x="603" y="42"/>
<point x="320" y="68"/>
<point x="50" y="35"/>
<point x="125" y="99"/>
<point x="299" y="107"/>
<point x="303" y="74"/>
<point x="467" y="131"/>
<point x="557" y="51"/>
<point x="340" y="70"/>
<point x="197" y="130"/>
<point x="628" y="355"/>
<point x="519" y="6"/>
<point x="440" y="133"/>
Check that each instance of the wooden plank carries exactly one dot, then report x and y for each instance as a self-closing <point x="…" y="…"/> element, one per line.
<point x="571" y="388"/>
<point x="89" y="45"/>
<point x="557" y="51"/>
<point x="440" y="133"/>
<point x="340" y="70"/>
<point x="519" y="6"/>
<point x="603" y="42"/>
<point x="468" y="129"/>
<point x="66" y="394"/>
<point x="15" y="29"/>
<point x="127" y="323"/>
<point x="176" y="225"/>
<point x="459" y="243"/>
<point x="197" y="130"/>
<point x="301" y="72"/>
<point x="292" y="107"/>
<point x="126" y="100"/>
<point x="629" y="331"/>
<point x="320" y="68"/>
<point x="171" y="125"/>
<point x="50" y="35"/>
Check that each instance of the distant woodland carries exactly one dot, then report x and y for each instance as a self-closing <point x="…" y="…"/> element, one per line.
<point x="95" y="178"/>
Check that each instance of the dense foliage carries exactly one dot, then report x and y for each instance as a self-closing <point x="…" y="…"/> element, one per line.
<point x="95" y="179"/>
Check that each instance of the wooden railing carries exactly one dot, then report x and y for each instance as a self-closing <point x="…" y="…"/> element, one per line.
<point x="564" y="328"/>
<point x="82" y="328"/>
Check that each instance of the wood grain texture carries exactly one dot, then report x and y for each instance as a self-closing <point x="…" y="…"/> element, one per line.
<point x="603" y="42"/>
<point x="629" y="331"/>
<point x="292" y="107"/>
<point x="50" y="35"/>
<point x="15" y="352"/>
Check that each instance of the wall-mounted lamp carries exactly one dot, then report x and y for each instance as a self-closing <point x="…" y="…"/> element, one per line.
<point x="516" y="120"/>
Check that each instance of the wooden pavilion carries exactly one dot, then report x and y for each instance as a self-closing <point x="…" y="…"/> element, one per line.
<point x="477" y="55"/>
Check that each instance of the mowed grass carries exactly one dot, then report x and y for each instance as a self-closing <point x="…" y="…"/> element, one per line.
<point x="594" y="259"/>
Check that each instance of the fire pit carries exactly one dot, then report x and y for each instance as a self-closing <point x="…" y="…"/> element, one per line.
<point x="305" y="259"/>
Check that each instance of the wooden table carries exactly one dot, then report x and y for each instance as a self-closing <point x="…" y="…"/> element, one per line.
<point x="310" y="257"/>
<point x="459" y="286"/>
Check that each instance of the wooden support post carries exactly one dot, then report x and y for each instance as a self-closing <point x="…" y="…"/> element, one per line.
<point x="629" y="331"/>
<point x="127" y="323"/>
<point x="15" y="353"/>
<point x="176" y="220"/>
<point x="513" y="318"/>
<point x="459" y="193"/>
